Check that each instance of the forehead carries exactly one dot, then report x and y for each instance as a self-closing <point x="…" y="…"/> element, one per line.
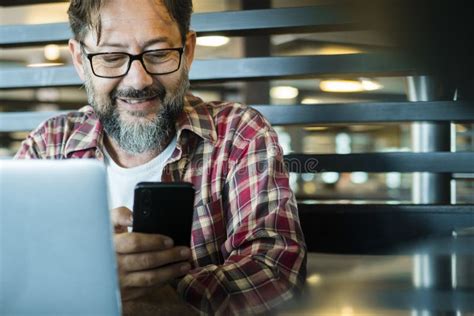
<point x="136" y="22"/>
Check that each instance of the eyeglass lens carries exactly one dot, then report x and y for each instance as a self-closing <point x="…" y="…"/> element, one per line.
<point x="117" y="64"/>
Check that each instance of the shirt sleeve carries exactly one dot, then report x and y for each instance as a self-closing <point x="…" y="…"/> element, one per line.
<point x="33" y="147"/>
<point x="265" y="253"/>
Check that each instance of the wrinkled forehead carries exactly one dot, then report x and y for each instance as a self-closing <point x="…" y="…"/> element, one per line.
<point x="134" y="22"/>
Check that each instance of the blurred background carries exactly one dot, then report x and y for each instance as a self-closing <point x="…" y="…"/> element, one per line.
<point x="391" y="27"/>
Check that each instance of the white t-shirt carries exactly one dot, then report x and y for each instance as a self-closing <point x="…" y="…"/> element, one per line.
<point x="122" y="181"/>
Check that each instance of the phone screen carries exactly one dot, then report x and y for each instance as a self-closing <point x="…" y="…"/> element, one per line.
<point x="165" y="209"/>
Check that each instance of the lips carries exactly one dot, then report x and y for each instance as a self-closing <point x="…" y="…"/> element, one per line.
<point x="139" y="104"/>
<point x="136" y="101"/>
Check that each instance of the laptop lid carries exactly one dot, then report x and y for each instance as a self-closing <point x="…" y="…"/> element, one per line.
<point x="56" y="249"/>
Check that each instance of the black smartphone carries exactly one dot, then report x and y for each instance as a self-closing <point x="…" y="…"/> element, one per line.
<point x="164" y="208"/>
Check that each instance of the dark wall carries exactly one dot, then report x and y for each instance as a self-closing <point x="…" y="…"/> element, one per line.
<point x="438" y="33"/>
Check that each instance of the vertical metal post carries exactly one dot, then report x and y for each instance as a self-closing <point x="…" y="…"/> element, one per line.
<point x="257" y="92"/>
<point x="428" y="137"/>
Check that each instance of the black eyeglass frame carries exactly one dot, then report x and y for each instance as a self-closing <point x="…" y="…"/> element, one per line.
<point x="132" y="57"/>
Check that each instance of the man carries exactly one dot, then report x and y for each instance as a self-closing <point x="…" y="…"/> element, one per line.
<point x="247" y="251"/>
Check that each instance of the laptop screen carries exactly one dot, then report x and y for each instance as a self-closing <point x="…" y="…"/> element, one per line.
<point x="56" y="249"/>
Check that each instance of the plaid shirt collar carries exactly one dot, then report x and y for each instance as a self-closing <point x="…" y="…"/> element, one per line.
<point x="195" y="118"/>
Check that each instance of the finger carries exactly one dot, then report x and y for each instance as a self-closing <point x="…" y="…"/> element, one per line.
<point x="155" y="277"/>
<point x="121" y="216"/>
<point x="120" y="229"/>
<point x="137" y="242"/>
<point x="131" y="293"/>
<point x="151" y="260"/>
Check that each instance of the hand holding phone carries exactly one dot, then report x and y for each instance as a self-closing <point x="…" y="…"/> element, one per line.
<point x="166" y="209"/>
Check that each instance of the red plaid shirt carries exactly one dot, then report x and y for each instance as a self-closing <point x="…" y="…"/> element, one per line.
<point x="247" y="245"/>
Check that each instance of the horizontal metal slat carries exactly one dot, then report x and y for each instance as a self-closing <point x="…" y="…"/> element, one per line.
<point x="456" y="111"/>
<point x="274" y="21"/>
<point x="8" y="3"/>
<point x="267" y="21"/>
<point x="24" y="121"/>
<point x="389" y="64"/>
<point x="436" y="162"/>
<point x="368" y="112"/>
<point x="344" y="208"/>
<point x="22" y="77"/>
<point x="34" y="34"/>
<point x="259" y="68"/>
<point x="378" y="229"/>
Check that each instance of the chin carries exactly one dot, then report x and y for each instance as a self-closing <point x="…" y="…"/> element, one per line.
<point x="138" y="116"/>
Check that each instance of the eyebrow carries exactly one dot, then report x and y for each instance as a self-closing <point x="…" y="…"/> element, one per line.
<point x="148" y="43"/>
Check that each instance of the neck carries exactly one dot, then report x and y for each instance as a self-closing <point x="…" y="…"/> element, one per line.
<point x="129" y="160"/>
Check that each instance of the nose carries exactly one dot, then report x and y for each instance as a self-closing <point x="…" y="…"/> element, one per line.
<point x="137" y="77"/>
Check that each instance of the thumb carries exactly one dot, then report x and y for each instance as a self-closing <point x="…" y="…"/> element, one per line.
<point x="121" y="218"/>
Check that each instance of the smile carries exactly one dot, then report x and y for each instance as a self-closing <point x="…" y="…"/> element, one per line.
<point x="136" y="101"/>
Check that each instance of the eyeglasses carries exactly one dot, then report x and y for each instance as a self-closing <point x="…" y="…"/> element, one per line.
<point x="117" y="64"/>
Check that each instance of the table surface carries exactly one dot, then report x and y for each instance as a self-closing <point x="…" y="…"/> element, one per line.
<point x="431" y="277"/>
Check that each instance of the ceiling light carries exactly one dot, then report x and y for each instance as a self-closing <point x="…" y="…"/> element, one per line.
<point x="370" y="85"/>
<point x="51" y="52"/>
<point x="347" y="311"/>
<point x="343" y="143"/>
<point x="329" y="177"/>
<point x="393" y="180"/>
<point x="338" y="50"/>
<point x="461" y="129"/>
<point x="314" y="279"/>
<point x="309" y="188"/>
<point x="284" y="92"/>
<point x="48" y="94"/>
<point x="310" y="101"/>
<point x="316" y="128"/>
<point x="365" y="128"/>
<point x="359" y="177"/>
<point x="37" y="65"/>
<point x="336" y="85"/>
<point x="341" y="86"/>
<point x="19" y="135"/>
<point x="307" y="177"/>
<point x="212" y="41"/>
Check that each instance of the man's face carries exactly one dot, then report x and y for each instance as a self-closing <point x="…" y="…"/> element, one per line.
<point x="138" y="110"/>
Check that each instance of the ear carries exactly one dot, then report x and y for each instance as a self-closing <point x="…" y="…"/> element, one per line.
<point x="76" y="53"/>
<point x="190" y="46"/>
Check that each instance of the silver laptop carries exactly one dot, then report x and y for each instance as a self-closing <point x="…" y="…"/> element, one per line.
<point x="56" y="249"/>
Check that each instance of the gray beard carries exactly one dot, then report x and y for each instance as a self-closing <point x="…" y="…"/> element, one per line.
<point x="139" y="137"/>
